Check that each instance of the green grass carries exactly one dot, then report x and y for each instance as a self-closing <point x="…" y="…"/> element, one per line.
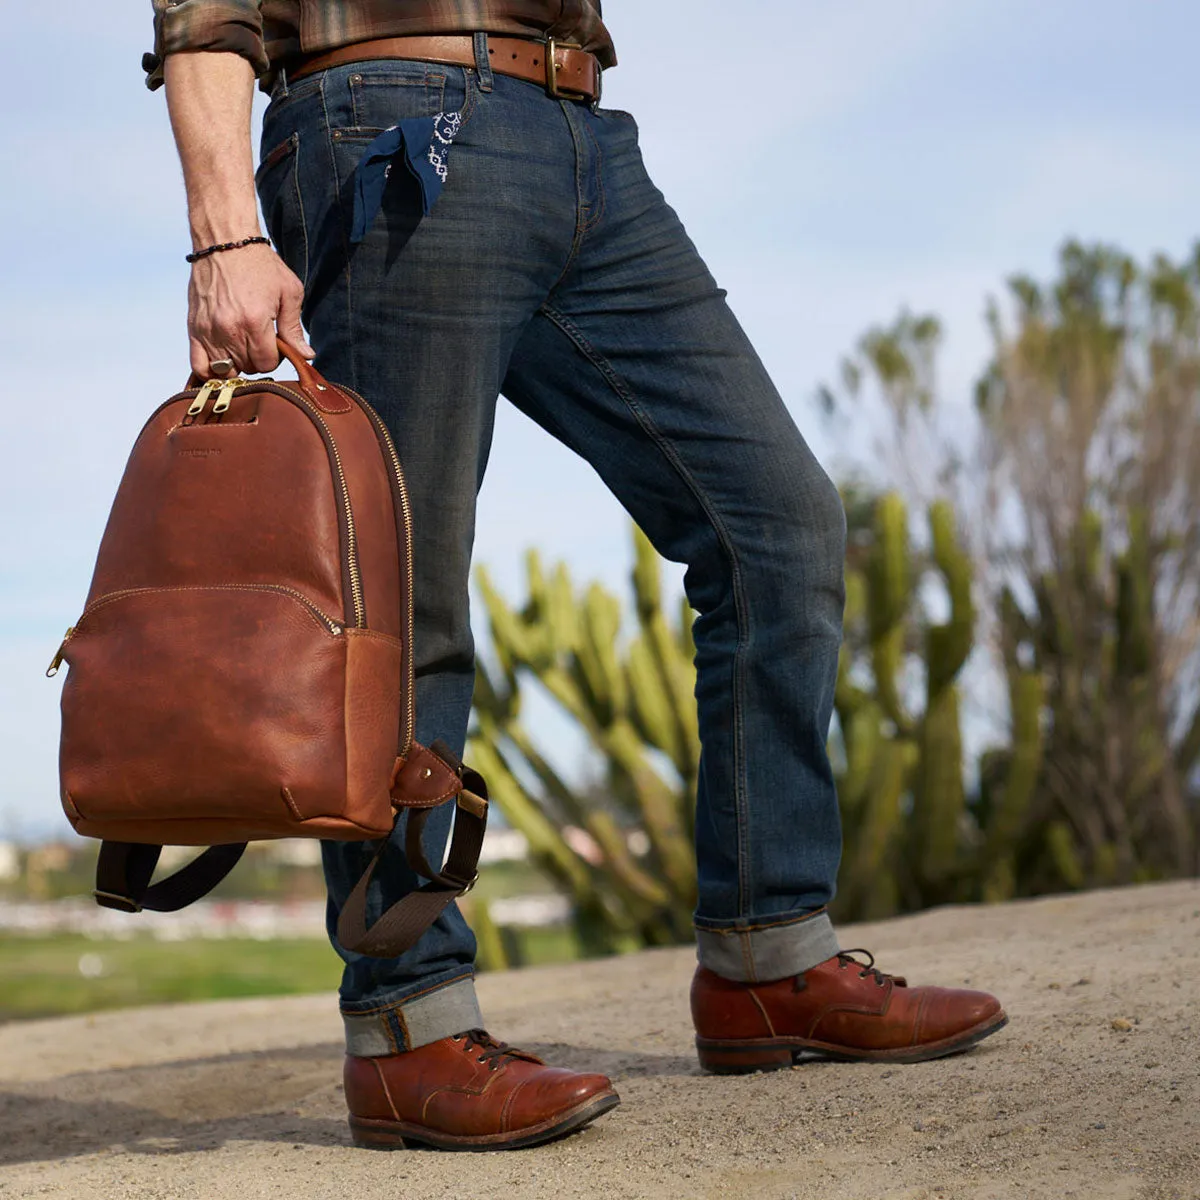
<point x="41" y="976"/>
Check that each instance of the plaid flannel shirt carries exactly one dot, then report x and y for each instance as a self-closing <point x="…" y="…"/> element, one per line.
<point x="271" y="32"/>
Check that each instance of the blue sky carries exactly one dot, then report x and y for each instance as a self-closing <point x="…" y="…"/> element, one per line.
<point x="831" y="161"/>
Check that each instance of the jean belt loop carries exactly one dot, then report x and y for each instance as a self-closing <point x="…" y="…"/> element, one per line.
<point x="281" y="85"/>
<point x="483" y="64"/>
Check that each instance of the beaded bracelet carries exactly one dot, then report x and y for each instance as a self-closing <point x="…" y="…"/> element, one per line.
<point x="250" y="241"/>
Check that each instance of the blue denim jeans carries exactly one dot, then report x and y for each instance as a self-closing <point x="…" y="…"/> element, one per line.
<point x="552" y="271"/>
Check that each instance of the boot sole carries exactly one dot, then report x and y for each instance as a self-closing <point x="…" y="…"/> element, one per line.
<point x="729" y="1057"/>
<point x="371" y="1134"/>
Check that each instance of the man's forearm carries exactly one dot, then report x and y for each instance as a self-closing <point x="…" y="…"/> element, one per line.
<point x="209" y="97"/>
<point x="236" y="300"/>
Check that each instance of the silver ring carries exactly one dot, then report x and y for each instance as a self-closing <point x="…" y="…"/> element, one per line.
<point x="221" y="366"/>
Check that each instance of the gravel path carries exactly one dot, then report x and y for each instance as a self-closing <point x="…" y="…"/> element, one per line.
<point x="1093" y="1091"/>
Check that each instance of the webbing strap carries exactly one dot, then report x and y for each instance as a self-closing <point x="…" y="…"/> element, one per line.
<point x="400" y="926"/>
<point x="124" y="869"/>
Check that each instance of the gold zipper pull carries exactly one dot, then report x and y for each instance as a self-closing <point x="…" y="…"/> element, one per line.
<point x="52" y="669"/>
<point x="197" y="406"/>
<point x="226" y="394"/>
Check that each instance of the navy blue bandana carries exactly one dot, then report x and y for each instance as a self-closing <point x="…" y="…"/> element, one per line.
<point x="422" y="144"/>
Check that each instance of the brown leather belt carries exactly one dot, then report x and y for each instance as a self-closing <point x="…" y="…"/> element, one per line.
<point x="563" y="68"/>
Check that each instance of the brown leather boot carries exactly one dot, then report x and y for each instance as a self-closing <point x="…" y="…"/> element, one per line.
<point x="468" y="1092"/>
<point x="842" y="1009"/>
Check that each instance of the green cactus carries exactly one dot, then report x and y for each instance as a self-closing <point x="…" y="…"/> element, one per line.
<point x="939" y="795"/>
<point x="913" y="835"/>
<point x="1010" y="781"/>
<point x="628" y="701"/>
<point x="888" y="599"/>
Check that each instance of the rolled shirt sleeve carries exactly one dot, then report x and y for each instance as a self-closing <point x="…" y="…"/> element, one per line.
<point x="229" y="25"/>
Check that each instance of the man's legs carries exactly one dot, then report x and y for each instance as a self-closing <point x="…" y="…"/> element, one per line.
<point x="552" y="266"/>
<point x="635" y="361"/>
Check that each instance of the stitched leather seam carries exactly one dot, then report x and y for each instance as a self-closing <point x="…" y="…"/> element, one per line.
<point x="329" y="411"/>
<point x="428" y="1101"/>
<point x="270" y="589"/>
<point x="829" y="1009"/>
<point x="506" y="1111"/>
<point x="762" y="1009"/>
<point x="455" y="788"/>
<point x="387" y="1095"/>
<point x="461" y="1089"/>
<point x="920" y="1018"/>
<point x="342" y="823"/>
<point x="377" y="635"/>
<point x="287" y="799"/>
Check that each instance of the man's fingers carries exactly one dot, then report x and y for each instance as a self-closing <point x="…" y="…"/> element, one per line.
<point x="199" y="358"/>
<point x="261" y="353"/>
<point x="202" y="355"/>
<point x="290" y="328"/>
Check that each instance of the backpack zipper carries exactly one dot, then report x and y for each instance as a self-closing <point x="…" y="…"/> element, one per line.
<point x="385" y="440"/>
<point x="327" y="621"/>
<point x="356" y="588"/>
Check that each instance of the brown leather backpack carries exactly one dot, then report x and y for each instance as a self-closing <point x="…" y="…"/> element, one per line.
<point x="243" y="667"/>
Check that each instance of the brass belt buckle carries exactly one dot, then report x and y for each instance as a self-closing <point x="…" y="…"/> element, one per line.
<point x="552" y="69"/>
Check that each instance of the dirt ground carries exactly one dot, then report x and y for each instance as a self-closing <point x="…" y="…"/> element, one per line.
<point x="1093" y="1091"/>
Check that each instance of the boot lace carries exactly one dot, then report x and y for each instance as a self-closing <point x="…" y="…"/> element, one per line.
<point x="491" y="1051"/>
<point x="868" y="968"/>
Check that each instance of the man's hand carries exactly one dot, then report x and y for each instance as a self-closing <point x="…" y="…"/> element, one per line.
<point x="237" y="299"/>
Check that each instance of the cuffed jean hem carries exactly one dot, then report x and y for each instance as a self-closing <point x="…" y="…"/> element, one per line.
<point x="767" y="948"/>
<point x="429" y="1016"/>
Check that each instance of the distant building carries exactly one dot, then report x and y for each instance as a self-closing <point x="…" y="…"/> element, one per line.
<point x="10" y="863"/>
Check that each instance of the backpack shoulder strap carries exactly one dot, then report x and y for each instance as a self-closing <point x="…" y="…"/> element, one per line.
<point x="399" y="927"/>
<point x="124" y="869"/>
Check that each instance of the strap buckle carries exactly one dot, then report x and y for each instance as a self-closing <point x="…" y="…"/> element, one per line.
<point x="462" y="887"/>
<point x="120" y="903"/>
<point x="552" y="88"/>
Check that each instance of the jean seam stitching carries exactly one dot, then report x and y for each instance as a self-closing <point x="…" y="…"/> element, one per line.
<point x="601" y="205"/>
<point x="783" y="923"/>
<point x="471" y="94"/>
<point x="337" y="189"/>
<point x="394" y="1004"/>
<point x="740" y="608"/>
<point x="747" y="957"/>
<point x="303" y="218"/>
<point x="577" y="238"/>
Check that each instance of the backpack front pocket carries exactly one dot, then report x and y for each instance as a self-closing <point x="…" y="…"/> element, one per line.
<point x="203" y="704"/>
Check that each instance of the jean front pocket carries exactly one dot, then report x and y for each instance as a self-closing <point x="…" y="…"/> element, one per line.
<point x="278" y="184"/>
<point x="382" y="93"/>
<point x="393" y="154"/>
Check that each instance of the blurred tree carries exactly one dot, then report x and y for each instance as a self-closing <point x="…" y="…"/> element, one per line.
<point x="1084" y="503"/>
